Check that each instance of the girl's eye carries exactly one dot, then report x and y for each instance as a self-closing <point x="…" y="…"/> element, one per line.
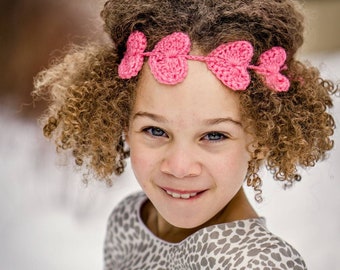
<point x="155" y="131"/>
<point x="214" y="136"/>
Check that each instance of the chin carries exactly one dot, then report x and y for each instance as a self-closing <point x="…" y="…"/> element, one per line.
<point x="184" y="223"/>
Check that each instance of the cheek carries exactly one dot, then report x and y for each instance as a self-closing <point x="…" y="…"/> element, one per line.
<point x="139" y="167"/>
<point x="142" y="163"/>
<point x="235" y="163"/>
<point x="138" y="162"/>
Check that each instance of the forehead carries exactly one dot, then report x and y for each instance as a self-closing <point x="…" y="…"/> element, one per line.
<point x="200" y="94"/>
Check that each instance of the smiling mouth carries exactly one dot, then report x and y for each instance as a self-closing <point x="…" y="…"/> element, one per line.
<point x="182" y="195"/>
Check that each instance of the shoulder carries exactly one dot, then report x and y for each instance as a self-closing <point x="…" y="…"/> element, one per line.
<point x="246" y="244"/>
<point x="126" y="210"/>
<point x="273" y="251"/>
<point x="131" y="201"/>
<point x="121" y="223"/>
<point x="265" y="250"/>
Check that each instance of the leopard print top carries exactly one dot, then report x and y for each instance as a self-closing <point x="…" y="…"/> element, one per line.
<point x="244" y="244"/>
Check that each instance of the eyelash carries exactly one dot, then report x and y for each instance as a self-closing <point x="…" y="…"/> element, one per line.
<point x="220" y="135"/>
<point x="151" y="131"/>
<point x="158" y="132"/>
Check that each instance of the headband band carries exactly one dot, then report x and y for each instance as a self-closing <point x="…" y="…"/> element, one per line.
<point x="229" y="62"/>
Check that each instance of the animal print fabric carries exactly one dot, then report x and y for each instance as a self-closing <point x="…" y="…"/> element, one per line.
<point x="244" y="244"/>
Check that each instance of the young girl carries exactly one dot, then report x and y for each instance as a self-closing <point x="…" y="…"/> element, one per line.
<point x="199" y="94"/>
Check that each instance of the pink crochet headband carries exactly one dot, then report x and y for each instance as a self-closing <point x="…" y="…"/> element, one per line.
<point x="229" y="62"/>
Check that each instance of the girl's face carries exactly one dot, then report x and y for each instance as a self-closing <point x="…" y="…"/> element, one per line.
<point x="187" y="145"/>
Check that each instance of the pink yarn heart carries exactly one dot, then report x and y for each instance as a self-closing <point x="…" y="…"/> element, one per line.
<point x="168" y="61"/>
<point x="229" y="62"/>
<point x="270" y="65"/>
<point x="132" y="62"/>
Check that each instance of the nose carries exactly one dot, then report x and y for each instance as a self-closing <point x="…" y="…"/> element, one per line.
<point x="181" y="162"/>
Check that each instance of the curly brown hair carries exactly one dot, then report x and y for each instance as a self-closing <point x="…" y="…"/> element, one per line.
<point x="90" y="105"/>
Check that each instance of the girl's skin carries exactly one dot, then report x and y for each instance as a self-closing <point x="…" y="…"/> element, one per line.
<point x="188" y="139"/>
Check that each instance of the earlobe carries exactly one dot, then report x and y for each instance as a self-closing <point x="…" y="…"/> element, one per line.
<point x="125" y="137"/>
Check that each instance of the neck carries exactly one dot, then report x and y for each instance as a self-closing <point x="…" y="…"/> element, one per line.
<point x="238" y="208"/>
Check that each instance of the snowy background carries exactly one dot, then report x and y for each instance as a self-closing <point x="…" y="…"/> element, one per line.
<point x="50" y="220"/>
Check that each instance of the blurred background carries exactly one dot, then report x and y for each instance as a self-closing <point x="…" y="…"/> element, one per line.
<point x="50" y="220"/>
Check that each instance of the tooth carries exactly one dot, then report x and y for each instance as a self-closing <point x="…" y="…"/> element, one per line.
<point x="176" y="195"/>
<point x="185" y="196"/>
<point x="193" y="194"/>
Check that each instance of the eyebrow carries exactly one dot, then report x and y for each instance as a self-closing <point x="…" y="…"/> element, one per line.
<point x="155" y="117"/>
<point x="208" y="122"/>
<point x="216" y="121"/>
